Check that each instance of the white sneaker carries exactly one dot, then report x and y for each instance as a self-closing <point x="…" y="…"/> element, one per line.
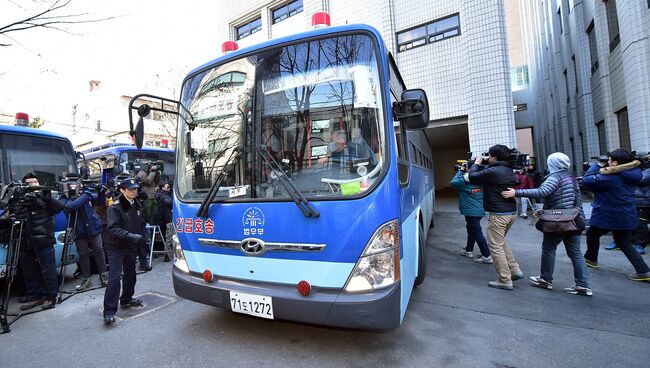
<point x="467" y="254"/>
<point x="485" y="260"/>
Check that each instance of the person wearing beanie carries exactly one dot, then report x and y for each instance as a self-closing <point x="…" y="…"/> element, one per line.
<point x="559" y="191"/>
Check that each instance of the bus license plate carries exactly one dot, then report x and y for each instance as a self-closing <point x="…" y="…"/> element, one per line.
<point x="255" y="305"/>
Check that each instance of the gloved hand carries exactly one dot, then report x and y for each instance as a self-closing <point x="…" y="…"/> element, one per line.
<point x="134" y="238"/>
<point x="89" y="191"/>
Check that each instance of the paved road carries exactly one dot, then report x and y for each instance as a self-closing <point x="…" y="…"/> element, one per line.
<point x="454" y="320"/>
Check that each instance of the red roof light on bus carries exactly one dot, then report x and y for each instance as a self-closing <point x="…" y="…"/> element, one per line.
<point x="320" y="20"/>
<point x="22" y="119"/>
<point x="229" y="46"/>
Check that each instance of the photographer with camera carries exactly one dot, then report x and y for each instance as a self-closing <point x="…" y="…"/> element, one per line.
<point x="470" y="204"/>
<point x="495" y="174"/>
<point x="88" y="230"/>
<point x="37" y="208"/>
<point x="164" y="213"/>
<point x="126" y="230"/>
<point x="614" y="209"/>
<point x="150" y="177"/>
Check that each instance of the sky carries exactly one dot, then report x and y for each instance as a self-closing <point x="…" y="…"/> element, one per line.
<point x="147" y="48"/>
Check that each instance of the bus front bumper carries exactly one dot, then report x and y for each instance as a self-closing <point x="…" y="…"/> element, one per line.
<point x="324" y="306"/>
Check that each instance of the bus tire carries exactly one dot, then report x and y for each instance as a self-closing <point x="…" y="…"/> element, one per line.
<point x="422" y="258"/>
<point x="432" y="224"/>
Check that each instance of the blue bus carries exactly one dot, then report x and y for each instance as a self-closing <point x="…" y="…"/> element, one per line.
<point x="106" y="161"/>
<point x="50" y="156"/>
<point x="304" y="187"/>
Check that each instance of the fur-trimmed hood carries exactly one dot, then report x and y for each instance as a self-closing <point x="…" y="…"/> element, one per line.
<point x="619" y="168"/>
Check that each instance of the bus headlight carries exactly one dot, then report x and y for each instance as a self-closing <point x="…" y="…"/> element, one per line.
<point x="60" y="237"/>
<point x="378" y="265"/>
<point x="179" y="260"/>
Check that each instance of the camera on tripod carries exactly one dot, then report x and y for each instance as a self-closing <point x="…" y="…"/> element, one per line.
<point x="16" y="195"/>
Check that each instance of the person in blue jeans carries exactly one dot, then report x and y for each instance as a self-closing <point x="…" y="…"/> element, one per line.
<point x="614" y="208"/>
<point x="559" y="191"/>
<point x="470" y="204"/>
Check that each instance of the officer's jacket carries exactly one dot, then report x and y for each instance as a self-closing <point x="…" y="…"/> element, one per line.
<point x="123" y="218"/>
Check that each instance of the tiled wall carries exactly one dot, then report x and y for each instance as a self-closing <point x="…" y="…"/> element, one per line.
<point x="621" y="80"/>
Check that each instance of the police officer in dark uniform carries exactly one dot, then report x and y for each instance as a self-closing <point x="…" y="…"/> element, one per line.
<point x="126" y="230"/>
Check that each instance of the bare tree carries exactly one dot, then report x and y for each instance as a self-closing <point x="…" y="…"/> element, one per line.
<point x="50" y="18"/>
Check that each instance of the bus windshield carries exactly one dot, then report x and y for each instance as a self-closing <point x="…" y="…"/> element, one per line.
<point x="308" y="112"/>
<point x="50" y="159"/>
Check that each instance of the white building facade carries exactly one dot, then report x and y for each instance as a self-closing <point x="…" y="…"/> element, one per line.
<point x="456" y="50"/>
<point x="590" y="75"/>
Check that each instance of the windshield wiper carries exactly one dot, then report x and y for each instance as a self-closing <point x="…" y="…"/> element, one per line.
<point x="298" y="198"/>
<point x="205" y="205"/>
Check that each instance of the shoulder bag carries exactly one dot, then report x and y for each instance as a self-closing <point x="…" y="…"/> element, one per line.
<point x="562" y="220"/>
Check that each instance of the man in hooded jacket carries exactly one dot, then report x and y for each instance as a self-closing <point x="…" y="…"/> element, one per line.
<point x="614" y="209"/>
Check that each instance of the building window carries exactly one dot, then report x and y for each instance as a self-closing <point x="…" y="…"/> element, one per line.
<point x="584" y="148"/>
<point x="519" y="77"/>
<point x="575" y="72"/>
<point x="435" y="31"/>
<point x="612" y="24"/>
<point x="566" y="85"/>
<point x="602" y="138"/>
<point x="573" y="153"/>
<point x="559" y="19"/>
<point x="623" y="129"/>
<point x="520" y="107"/>
<point x="593" y="50"/>
<point x="287" y="10"/>
<point x="249" y="28"/>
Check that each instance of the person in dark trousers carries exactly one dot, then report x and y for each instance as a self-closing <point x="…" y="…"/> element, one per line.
<point x="559" y="191"/>
<point x="613" y="208"/>
<point x="496" y="177"/>
<point x="88" y="233"/>
<point x="470" y="204"/>
<point x="641" y="236"/>
<point x="37" y="246"/>
<point x="164" y="212"/>
<point x="126" y="229"/>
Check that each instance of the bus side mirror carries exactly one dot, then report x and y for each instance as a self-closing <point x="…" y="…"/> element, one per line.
<point x="139" y="133"/>
<point x="143" y="110"/>
<point x="413" y="109"/>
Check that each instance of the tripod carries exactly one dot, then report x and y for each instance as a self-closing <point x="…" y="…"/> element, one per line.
<point x="12" y="267"/>
<point x="68" y="239"/>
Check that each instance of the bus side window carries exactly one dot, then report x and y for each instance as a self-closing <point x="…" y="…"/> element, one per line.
<point x="400" y="134"/>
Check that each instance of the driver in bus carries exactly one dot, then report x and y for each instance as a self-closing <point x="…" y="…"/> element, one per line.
<point x="350" y="154"/>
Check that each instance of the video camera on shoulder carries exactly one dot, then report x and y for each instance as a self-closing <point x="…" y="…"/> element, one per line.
<point x="72" y="186"/>
<point x="602" y="160"/>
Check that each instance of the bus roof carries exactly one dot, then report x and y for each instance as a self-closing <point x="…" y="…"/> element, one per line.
<point x="288" y="39"/>
<point x="117" y="148"/>
<point x="17" y="129"/>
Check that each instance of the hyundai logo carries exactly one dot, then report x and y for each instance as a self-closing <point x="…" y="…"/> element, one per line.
<point x="253" y="247"/>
